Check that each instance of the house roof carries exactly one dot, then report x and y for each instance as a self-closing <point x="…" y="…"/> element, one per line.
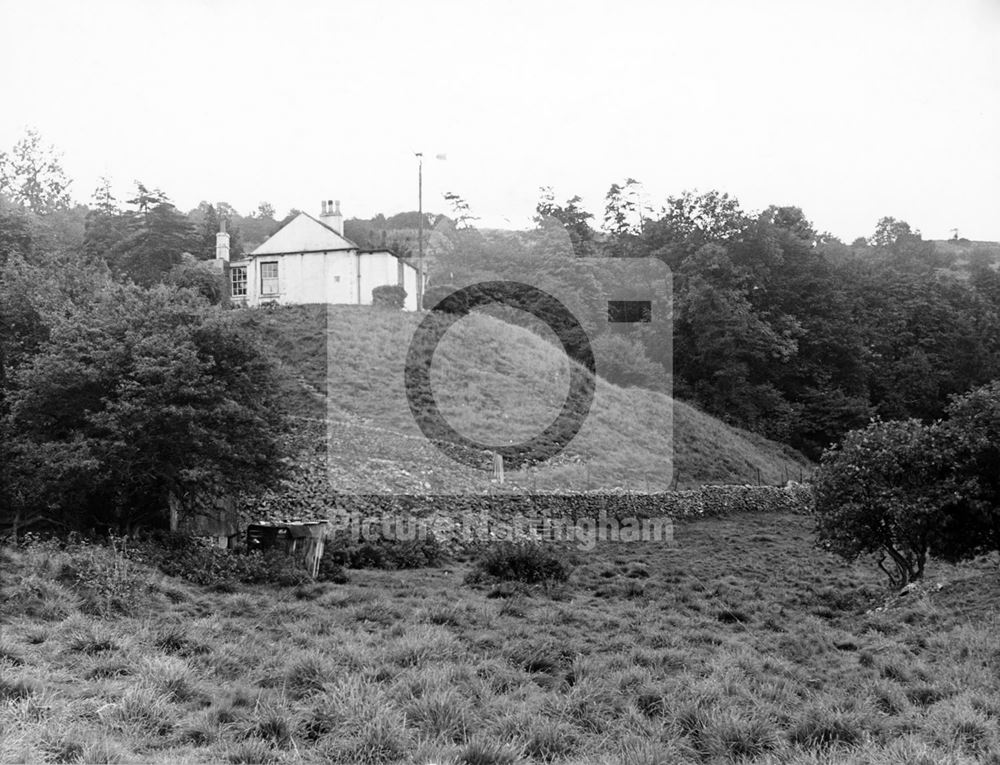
<point x="304" y="233"/>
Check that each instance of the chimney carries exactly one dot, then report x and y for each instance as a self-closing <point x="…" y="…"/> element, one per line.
<point x="332" y="216"/>
<point x="222" y="242"/>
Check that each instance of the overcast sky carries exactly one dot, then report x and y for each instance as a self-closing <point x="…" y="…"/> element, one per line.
<point x="849" y="109"/>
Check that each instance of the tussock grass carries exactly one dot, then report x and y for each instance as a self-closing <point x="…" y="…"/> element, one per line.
<point x="416" y="666"/>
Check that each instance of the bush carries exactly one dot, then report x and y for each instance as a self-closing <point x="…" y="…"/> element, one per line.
<point x="195" y="561"/>
<point x="389" y="296"/>
<point x="882" y="491"/>
<point x="526" y="562"/>
<point x="200" y="277"/>
<point x="342" y="550"/>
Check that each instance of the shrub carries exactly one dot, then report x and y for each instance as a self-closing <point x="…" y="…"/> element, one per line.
<point x="344" y="550"/>
<point x="201" y="277"/>
<point x="195" y="561"/>
<point x="519" y="561"/>
<point x="389" y="296"/>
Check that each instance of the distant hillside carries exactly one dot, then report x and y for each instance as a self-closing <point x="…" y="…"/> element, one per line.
<point x="489" y="378"/>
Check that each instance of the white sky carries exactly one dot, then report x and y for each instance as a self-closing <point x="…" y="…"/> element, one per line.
<point x="850" y="109"/>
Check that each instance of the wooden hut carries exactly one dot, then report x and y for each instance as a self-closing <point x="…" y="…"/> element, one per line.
<point x="305" y="539"/>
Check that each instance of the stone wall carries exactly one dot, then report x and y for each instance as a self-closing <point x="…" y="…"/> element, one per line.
<point x="461" y="520"/>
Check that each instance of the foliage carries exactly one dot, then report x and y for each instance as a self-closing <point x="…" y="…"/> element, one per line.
<point x="883" y="491"/>
<point x="156" y="236"/>
<point x="342" y="549"/>
<point x="972" y="437"/>
<point x="571" y="216"/>
<point x="201" y="278"/>
<point x="200" y="563"/>
<point x="527" y="562"/>
<point x="623" y="214"/>
<point x="31" y="175"/>
<point x="461" y="212"/>
<point x="623" y="361"/>
<point x="132" y="395"/>
<point x="904" y="489"/>
<point x="389" y="296"/>
<point x="99" y="572"/>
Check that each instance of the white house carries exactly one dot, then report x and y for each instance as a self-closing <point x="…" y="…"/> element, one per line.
<point x="308" y="260"/>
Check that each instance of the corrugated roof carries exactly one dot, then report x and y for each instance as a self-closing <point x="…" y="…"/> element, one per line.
<point x="304" y="233"/>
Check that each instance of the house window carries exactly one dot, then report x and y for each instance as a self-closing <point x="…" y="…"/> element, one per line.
<point x="269" y="278"/>
<point x="238" y="280"/>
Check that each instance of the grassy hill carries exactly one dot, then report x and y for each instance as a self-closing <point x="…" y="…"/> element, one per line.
<point x="497" y="383"/>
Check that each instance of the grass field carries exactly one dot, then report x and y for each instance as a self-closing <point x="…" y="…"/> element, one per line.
<point x="740" y="642"/>
<point x="492" y="378"/>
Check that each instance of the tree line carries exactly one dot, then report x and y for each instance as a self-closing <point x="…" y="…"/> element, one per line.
<point x="788" y="331"/>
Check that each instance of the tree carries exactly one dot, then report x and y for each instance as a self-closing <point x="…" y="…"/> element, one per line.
<point x="690" y="221"/>
<point x="15" y="231"/>
<point x="890" y="232"/>
<point x="571" y="217"/>
<point x="883" y="491"/>
<point x="105" y="225"/>
<point x="623" y="216"/>
<point x="972" y="437"/>
<point x="157" y="237"/>
<point x="461" y="212"/>
<point x="137" y="395"/>
<point x="31" y="175"/>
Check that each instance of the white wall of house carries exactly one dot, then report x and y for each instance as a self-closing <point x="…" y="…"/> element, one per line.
<point x="378" y="268"/>
<point x="324" y="277"/>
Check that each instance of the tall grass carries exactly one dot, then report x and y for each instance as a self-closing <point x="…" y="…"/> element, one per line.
<point x="416" y="666"/>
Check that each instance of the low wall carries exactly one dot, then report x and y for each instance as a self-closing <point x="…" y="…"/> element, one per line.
<point x="462" y="519"/>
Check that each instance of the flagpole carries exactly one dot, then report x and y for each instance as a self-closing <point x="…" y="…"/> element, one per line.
<point x="420" y="231"/>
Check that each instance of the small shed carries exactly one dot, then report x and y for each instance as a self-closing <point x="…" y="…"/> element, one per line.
<point x="205" y="515"/>
<point x="305" y="539"/>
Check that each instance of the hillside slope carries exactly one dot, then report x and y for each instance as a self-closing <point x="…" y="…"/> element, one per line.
<point x="496" y="383"/>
